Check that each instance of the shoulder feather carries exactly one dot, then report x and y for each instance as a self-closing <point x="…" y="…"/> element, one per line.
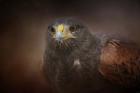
<point x="120" y="63"/>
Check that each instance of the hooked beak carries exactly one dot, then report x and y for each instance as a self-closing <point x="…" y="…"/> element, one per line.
<point x="59" y="36"/>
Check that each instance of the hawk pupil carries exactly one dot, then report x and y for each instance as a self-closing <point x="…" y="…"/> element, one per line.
<point x="51" y="29"/>
<point x="72" y="28"/>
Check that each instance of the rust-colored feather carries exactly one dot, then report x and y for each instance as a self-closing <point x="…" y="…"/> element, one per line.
<point x="120" y="63"/>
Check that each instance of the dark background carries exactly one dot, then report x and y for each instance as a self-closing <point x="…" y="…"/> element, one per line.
<point x="23" y="24"/>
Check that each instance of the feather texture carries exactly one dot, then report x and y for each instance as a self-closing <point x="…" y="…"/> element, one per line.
<point x="120" y="63"/>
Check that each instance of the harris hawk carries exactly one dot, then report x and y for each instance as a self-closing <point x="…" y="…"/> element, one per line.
<point x="77" y="61"/>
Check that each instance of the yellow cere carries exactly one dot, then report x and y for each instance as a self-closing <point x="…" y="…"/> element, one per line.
<point x="60" y="28"/>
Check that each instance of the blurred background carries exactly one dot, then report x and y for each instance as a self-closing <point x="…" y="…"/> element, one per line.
<point x="22" y="30"/>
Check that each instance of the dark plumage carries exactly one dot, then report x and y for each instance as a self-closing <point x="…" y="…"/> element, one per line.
<point x="77" y="61"/>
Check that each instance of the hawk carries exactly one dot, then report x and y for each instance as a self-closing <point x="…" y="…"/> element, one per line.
<point x="77" y="61"/>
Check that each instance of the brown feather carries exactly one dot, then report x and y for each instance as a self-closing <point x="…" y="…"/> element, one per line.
<point x="120" y="63"/>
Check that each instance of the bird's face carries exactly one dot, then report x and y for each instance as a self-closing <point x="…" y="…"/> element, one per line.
<point x="66" y="32"/>
<point x="62" y="32"/>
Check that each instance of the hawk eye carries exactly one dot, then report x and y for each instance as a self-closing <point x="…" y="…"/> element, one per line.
<point x="51" y="29"/>
<point x="73" y="28"/>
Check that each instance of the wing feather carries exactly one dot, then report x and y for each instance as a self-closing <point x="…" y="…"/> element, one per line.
<point x="120" y="63"/>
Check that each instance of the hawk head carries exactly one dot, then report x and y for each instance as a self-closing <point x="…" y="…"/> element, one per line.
<point x="66" y="33"/>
